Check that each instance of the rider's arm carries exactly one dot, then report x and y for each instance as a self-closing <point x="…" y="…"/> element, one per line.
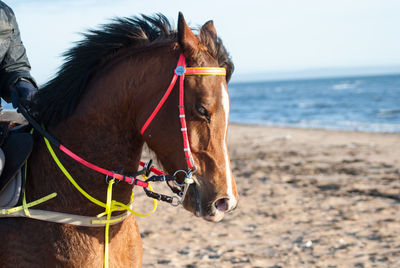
<point x="14" y="64"/>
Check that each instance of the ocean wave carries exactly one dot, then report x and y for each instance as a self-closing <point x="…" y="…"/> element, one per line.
<point x="346" y="85"/>
<point x="388" y="113"/>
<point x="318" y="105"/>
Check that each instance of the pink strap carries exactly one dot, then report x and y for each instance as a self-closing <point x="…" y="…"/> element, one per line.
<point x="186" y="147"/>
<point x="102" y="170"/>
<point x="160" y="104"/>
<point x="152" y="169"/>
<point x="164" y="98"/>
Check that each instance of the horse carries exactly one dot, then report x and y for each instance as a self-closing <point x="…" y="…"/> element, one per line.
<point x="96" y="105"/>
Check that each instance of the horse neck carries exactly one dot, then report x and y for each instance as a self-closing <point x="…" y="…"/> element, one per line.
<point x="103" y="131"/>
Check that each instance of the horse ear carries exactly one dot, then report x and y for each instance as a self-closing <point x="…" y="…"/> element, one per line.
<point x="208" y="28"/>
<point x="186" y="38"/>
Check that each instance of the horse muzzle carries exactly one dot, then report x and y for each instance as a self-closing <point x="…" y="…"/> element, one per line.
<point x="200" y="206"/>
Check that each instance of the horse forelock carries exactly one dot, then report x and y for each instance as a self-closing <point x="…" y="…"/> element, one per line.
<point x="58" y="98"/>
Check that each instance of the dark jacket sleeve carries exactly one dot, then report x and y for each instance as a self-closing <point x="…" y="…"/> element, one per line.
<point x="15" y="64"/>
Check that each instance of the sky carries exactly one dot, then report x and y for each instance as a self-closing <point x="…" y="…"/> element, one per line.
<point x="265" y="37"/>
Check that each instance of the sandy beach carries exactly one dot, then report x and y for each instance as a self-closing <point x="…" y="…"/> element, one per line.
<point x="308" y="198"/>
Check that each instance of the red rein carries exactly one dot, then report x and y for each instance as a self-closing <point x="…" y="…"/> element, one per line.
<point x="180" y="70"/>
<point x="120" y="177"/>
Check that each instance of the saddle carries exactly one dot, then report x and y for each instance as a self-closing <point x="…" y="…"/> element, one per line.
<point x="16" y="144"/>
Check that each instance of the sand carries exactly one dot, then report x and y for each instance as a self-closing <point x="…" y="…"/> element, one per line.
<point x="308" y="198"/>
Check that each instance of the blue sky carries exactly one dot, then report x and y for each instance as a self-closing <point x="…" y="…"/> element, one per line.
<point x="267" y="36"/>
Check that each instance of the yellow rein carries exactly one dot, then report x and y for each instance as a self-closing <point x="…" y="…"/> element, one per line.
<point x="116" y="206"/>
<point x="110" y="206"/>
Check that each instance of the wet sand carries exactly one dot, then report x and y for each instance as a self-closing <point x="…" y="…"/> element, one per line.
<point x="308" y="198"/>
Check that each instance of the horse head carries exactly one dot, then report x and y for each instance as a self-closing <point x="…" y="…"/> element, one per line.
<point x="207" y="104"/>
<point x="111" y="84"/>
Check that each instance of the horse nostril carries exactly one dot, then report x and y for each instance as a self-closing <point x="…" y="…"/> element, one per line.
<point x="222" y="204"/>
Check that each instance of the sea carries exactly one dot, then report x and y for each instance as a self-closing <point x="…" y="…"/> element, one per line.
<point x="369" y="103"/>
<point x="365" y="103"/>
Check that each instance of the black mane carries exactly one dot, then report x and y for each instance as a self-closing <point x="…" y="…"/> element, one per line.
<point x="60" y="96"/>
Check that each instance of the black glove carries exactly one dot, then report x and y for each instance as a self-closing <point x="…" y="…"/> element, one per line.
<point x="23" y="93"/>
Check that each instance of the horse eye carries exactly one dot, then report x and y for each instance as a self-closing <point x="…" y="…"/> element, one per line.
<point x="203" y="111"/>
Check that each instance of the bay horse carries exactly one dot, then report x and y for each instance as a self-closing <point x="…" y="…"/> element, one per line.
<point x="108" y="86"/>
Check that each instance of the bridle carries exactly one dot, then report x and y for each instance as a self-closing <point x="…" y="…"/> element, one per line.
<point x="180" y="71"/>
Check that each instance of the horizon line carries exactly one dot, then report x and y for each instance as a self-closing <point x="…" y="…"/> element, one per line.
<point x="317" y="73"/>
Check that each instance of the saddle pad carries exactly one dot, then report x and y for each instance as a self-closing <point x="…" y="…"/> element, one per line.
<point x="17" y="148"/>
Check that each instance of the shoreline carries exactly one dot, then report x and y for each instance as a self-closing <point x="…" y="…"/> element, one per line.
<point x="311" y="128"/>
<point x="269" y="133"/>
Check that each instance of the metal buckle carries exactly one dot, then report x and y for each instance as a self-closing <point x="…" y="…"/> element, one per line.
<point x="187" y="182"/>
<point x="133" y="179"/>
<point x="113" y="178"/>
<point x="179" y="171"/>
<point x="178" y="201"/>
